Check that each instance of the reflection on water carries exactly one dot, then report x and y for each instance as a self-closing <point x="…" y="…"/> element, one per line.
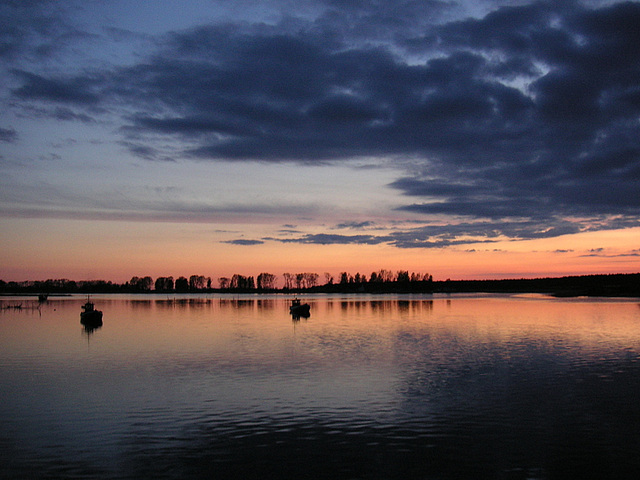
<point x="366" y="387"/>
<point x="90" y="329"/>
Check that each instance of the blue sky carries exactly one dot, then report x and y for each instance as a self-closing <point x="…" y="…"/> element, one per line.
<point x="427" y="126"/>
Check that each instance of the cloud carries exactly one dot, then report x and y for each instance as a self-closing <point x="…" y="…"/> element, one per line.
<point x="74" y="91"/>
<point x="356" y="225"/>
<point x="441" y="235"/>
<point x="145" y="151"/>
<point x="521" y="122"/>
<point x="8" y="135"/>
<point x="37" y="111"/>
<point x="329" y="239"/>
<point x="242" y="241"/>
<point x="66" y="114"/>
<point x="35" y="29"/>
<point x="417" y="238"/>
<point x="599" y="253"/>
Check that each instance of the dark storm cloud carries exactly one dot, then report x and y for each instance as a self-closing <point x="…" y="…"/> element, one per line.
<point x="35" y="30"/>
<point x="76" y="90"/>
<point x="516" y="120"/>
<point x="63" y="113"/>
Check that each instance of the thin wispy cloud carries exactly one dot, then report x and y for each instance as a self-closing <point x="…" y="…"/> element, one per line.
<point x="241" y="241"/>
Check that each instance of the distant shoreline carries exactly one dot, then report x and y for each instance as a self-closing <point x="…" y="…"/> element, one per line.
<point x="600" y="285"/>
<point x="611" y="285"/>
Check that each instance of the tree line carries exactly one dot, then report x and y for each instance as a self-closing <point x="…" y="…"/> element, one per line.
<point x="381" y="281"/>
<point x="377" y="281"/>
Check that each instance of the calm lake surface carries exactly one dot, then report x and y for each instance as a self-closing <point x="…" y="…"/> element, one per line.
<point x="433" y="387"/>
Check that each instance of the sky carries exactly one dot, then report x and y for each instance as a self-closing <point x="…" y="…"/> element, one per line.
<point x="465" y="139"/>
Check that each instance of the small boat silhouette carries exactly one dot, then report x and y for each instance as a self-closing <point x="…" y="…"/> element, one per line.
<point x="90" y="316"/>
<point x="299" y="309"/>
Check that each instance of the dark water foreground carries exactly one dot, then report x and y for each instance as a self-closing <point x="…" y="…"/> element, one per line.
<point x="367" y="387"/>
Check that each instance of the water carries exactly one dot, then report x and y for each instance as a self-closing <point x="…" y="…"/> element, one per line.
<point x="513" y="387"/>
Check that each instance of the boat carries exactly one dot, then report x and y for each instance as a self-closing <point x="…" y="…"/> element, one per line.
<point x="299" y="309"/>
<point x="90" y="316"/>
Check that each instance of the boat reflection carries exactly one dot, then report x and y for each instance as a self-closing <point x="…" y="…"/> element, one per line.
<point x="89" y="329"/>
<point x="296" y="317"/>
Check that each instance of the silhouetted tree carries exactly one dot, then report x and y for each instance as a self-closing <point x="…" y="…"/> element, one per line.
<point x="140" y="284"/>
<point x="266" y="281"/>
<point x="197" y="282"/>
<point x="102" y="286"/>
<point x="182" y="284"/>
<point x="240" y="282"/>
<point x="236" y="281"/>
<point x="311" y="279"/>
<point x="48" y="286"/>
<point x="164" y="284"/>
<point x="402" y="276"/>
<point x="306" y="280"/>
<point x="288" y="281"/>
<point x="385" y="275"/>
<point x="223" y="282"/>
